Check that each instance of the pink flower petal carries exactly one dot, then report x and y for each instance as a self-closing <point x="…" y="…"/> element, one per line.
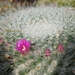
<point x="48" y="52"/>
<point x="23" y="46"/>
<point x="60" y="48"/>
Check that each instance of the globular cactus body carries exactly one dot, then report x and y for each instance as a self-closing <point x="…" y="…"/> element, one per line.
<point x="46" y="27"/>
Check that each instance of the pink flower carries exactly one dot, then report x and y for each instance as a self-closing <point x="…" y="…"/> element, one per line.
<point x="60" y="48"/>
<point x="1" y="41"/>
<point x="23" y="46"/>
<point x="48" y="52"/>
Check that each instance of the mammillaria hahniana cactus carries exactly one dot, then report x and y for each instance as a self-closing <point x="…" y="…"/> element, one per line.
<point x="47" y="27"/>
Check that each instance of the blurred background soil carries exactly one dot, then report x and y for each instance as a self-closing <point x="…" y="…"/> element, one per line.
<point x="10" y="4"/>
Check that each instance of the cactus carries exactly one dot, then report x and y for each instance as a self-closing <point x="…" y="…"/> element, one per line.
<point x="6" y="64"/>
<point x="47" y="27"/>
<point x="66" y="64"/>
